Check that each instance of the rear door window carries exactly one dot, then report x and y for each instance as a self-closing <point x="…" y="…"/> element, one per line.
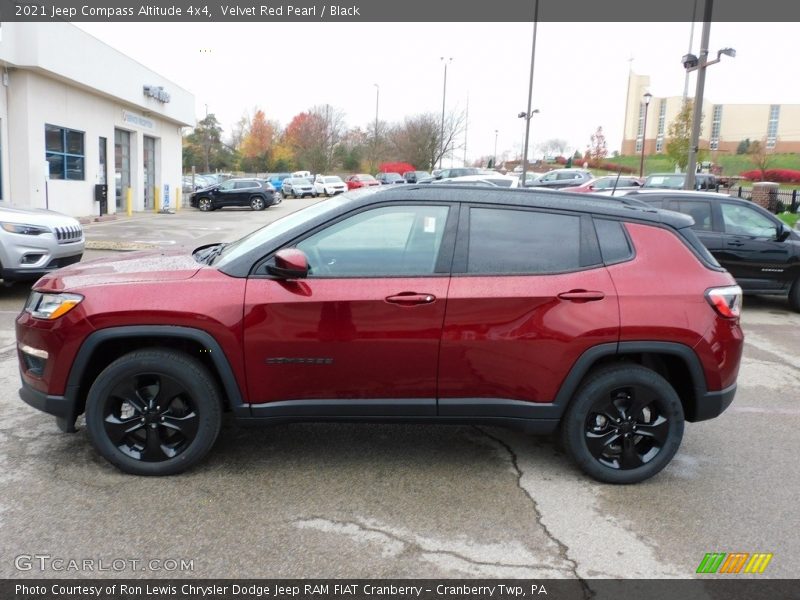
<point x="509" y="241"/>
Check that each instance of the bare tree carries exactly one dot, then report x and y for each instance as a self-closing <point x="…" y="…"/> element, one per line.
<point x="418" y="140"/>
<point x="555" y="146"/>
<point x="760" y="157"/>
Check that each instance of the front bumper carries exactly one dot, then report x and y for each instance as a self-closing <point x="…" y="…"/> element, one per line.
<point x="63" y="408"/>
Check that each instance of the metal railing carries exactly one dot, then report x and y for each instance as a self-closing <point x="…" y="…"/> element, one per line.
<point x="785" y="200"/>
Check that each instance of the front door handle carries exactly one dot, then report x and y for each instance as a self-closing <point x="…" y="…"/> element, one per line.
<point x="410" y="298"/>
<point x="736" y="243"/>
<point x="581" y="295"/>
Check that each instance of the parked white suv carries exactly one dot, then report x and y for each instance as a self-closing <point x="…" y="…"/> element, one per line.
<point x="36" y="241"/>
<point x="329" y="185"/>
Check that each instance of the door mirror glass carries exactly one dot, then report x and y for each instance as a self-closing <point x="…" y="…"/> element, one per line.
<point x="290" y="263"/>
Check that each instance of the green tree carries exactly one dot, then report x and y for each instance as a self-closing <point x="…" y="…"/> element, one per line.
<point x="680" y="135"/>
<point x="743" y="147"/>
<point x="203" y="147"/>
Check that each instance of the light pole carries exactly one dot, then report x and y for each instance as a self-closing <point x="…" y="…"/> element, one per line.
<point x="527" y="116"/>
<point x="699" y="64"/>
<point x="444" y="96"/>
<point x="494" y="156"/>
<point x="647" y="97"/>
<point x="530" y="94"/>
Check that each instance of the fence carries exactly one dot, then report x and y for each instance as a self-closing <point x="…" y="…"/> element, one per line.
<point x="784" y="199"/>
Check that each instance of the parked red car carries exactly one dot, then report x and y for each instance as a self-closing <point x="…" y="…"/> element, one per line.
<point x="608" y="320"/>
<point x="361" y="180"/>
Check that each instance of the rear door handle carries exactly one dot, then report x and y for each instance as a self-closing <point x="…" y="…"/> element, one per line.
<point x="410" y="298"/>
<point x="581" y="295"/>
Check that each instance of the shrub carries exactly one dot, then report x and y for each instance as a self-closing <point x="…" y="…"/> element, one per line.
<point x="774" y="175"/>
<point x="395" y="167"/>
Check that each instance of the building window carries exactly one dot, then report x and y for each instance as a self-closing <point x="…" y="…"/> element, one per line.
<point x="716" y="123"/>
<point x="64" y="152"/>
<point x="662" y="118"/>
<point x="772" y="126"/>
<point x="640" y="128"/>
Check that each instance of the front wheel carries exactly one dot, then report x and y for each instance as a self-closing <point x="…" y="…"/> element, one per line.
<point x="204" y="204"/>
<point x="624" y="425"/>
<point x="153" y="412"/>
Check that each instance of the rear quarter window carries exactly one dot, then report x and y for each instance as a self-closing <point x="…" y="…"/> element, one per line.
<point x="615" y="247"/>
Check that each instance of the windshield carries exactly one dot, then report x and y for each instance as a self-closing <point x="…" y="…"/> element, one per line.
<point x="664" y="181"/>
<point x="333" y="180"/>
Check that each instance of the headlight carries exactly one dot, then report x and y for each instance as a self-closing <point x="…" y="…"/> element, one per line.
<point x="51" y="306"/>
<point x="24" y="229"/>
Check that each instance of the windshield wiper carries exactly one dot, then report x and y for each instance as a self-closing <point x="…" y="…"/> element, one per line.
<point x="209" y="254"/>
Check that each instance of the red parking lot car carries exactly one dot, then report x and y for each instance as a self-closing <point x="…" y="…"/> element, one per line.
<point x="606" y="321"/>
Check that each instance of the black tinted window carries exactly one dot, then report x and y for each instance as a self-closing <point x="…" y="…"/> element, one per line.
<point x="699" y="211"/>
<point x="516" y="241"/>
<point x="614" y="245"/>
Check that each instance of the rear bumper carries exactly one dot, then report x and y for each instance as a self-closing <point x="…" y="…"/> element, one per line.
<point x="713" y="404"/>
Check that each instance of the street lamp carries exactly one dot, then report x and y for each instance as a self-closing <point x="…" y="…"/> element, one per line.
<point x="647" y="97"/>
<point x="494" y="157"/>
<point x="692" y="63"/>
<point x="444" y="95"/>
<point x="527" y="116"/>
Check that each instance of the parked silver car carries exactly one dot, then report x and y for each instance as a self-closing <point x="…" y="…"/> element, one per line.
<point x="36" y="241"/>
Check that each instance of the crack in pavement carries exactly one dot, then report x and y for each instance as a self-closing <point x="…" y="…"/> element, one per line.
<point x="563" y="549"/>
<point x="415" y="546"/>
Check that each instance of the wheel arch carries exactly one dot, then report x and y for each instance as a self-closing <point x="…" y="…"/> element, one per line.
<point x="677" y="363"/>
<point x="102" y="347"/>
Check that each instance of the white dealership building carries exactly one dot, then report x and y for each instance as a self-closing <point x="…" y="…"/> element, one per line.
<point x="76" y="113"/>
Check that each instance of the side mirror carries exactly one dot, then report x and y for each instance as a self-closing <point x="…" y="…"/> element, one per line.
<point x="782" y="232"/>
<point x="290" y="263"/>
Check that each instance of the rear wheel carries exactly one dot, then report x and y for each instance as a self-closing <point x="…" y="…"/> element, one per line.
<point x="204" y="204"/>
<point x="624" y="425"/>
<point x="257" y="203"/>
<point x="794" y="295"/>
<point x="153" y="412"/>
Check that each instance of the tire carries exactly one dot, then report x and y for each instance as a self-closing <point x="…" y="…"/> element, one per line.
<point x="794" y="296"/>
<point x="127" y="397"/>
<point x="257" y="203"/>
<point x="205" y="204"/>
<point x="624" y="424"/>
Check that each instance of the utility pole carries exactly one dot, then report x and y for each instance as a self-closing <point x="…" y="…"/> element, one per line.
<point x="697" y="115"/>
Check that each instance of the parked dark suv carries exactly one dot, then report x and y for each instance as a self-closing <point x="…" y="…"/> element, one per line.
<point x="258" y="194"/>
<point x="677" y="181"/>
<point x="757" y="248"/>
<point x="420" y="303"/>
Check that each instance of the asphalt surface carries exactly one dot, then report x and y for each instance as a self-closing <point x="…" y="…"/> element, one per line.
<point x="338" y="500"/>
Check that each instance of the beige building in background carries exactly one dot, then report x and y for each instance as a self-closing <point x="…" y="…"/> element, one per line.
<point x="724" y="125"/>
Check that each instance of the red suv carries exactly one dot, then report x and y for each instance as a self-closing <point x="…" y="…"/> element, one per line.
<point x="450" y="304"/>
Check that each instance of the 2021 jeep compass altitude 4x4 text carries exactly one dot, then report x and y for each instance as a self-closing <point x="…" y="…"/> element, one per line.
<point x="414" y="303"/>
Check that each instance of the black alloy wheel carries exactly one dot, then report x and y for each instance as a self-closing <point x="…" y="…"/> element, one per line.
<point x="153" y="412"/>
<point x="624" y="425"/>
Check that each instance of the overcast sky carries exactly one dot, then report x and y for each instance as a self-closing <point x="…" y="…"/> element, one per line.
<point x="580" y="73"/>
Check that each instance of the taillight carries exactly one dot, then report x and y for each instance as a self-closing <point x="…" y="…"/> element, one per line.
<point x="727" y="301"/>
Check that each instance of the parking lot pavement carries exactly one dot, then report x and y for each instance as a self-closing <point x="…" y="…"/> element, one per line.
<point x="341" y="500"/>
<point x="186" y="227"/>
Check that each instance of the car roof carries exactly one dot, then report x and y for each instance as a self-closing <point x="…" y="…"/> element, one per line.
<point x="687" y="193"/>
<point x="524" y="197"/>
